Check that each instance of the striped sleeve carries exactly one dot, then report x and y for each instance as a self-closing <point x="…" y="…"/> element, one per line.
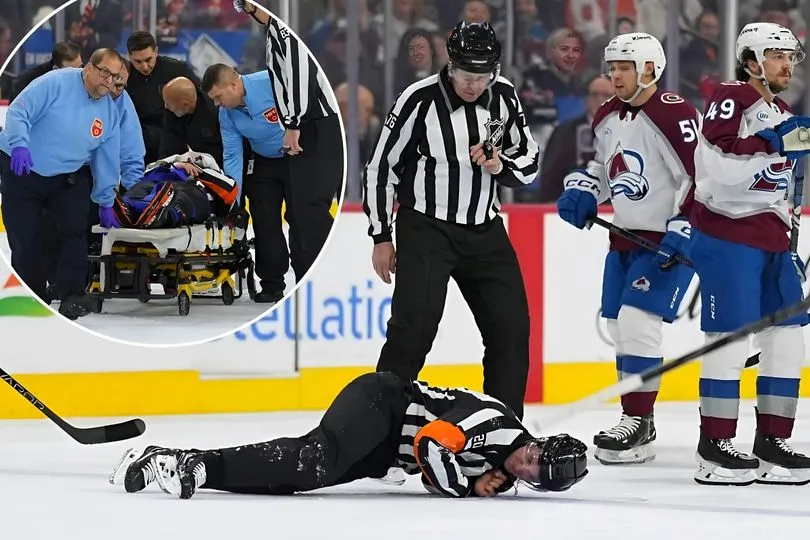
<point x="521" y="152"/>
<point x="381" y="174"/>
<point x="435" y="448"/>
<point x="292" y="69"/>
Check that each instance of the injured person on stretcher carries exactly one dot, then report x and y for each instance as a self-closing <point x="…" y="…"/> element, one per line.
<point x="179" y="190"/>
<point x="183" y="233"/>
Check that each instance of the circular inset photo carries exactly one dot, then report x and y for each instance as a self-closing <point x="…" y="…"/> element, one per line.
<point x="165" y="179"/>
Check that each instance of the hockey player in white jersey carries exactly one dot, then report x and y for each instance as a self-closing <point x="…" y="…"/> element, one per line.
<point x="748" y="147"/>
<point x="645" y="140"/>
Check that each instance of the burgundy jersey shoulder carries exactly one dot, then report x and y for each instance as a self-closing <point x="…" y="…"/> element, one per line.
<point x="614" y="104"/>
<point x="743" y="94"/>
<point x="677" y="119"/>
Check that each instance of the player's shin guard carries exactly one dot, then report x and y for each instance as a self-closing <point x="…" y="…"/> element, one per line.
<point x="638" y="336"/>
<point x="777" y="399"/>
<point x="719" y="462"/>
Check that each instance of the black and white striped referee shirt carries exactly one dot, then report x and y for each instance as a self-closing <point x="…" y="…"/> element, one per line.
<point x="455" y="435"/>
<point x="301" y="90"/>
<point x="422" y="156"/>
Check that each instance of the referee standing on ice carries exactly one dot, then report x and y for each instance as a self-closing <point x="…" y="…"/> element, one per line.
<point x="431" y="158"/>
<point x="312" y="138"/>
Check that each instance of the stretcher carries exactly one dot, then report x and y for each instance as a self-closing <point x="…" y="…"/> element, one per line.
<point x="183" y="263"/>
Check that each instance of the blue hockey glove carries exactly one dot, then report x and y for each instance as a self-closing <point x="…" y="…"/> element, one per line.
<point x="676" y="242"/>
<point x="790" y="138"/>
<point x="578" y="202"/>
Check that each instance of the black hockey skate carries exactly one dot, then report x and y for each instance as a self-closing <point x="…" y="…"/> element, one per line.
<point x="628" y="442"/>
<point x="136" y="469"/>
<point x="720" y="464"/>
<point x="779" y="463"/>
<point x="180" y="472"/>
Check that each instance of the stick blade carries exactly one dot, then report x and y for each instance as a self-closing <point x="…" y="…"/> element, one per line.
<point x="111" y="433"/>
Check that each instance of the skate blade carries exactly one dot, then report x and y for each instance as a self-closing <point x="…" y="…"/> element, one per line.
<point x="633" y="456"/>
<point x="120" y="469"/>
<point x="772" y="474"/>
<point x="711" y="474"/>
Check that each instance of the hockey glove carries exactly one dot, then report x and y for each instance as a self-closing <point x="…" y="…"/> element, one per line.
<point x="21" y="161"/>
<point x="676" y="242"/>
<point x="578" y="202"/>
<point x="790" y="138"/>
<point x="107" y="219"/>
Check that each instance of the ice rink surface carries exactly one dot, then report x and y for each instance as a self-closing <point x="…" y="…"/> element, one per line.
<point x="52" y="487"/>
<point x="158" y="322"/>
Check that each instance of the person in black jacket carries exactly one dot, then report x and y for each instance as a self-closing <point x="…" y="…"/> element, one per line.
<point x="151" y="71"/>
<point x="64" y="54"/>
<point x="191" y="121"/>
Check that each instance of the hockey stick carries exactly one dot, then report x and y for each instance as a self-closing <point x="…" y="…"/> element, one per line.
<point x="655" y="248"/>
<point x="93" y="435"/>
<point x="634" y="382"/>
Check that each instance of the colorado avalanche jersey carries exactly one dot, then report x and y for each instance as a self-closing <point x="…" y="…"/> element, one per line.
<point x="645" y="162"/>
<point x="742" y="184"/>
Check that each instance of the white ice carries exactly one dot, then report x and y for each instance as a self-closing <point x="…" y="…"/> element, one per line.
<point x="53" y="487"/>
<point x="158" y="322"/>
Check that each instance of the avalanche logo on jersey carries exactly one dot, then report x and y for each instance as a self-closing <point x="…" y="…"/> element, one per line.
<point x="625" y="174"/>
<point x="774" y="178"/>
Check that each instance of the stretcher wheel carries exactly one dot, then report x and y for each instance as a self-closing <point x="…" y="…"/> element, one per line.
<point x="97" y="304"/>
<point x="183" y="303"/>
<point x="227" y="294"/>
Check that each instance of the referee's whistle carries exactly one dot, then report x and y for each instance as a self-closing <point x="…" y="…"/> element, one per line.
<point x="488" y="150"/>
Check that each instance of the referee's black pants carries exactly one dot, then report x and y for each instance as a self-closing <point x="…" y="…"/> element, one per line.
<point x="316" y="175"/>
<point x="266" y="187"/>
<point x="65" y="197"/>
<point x="358" y="437"/>
<point x="482" y="262"/>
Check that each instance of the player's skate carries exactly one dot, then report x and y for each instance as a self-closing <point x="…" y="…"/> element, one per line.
<point x="136" y="469"/>
<point x="779" y="463"/>
<point x="629" y="441"/>
<point x="720" y="464"/>
<point x="180" y="472"/>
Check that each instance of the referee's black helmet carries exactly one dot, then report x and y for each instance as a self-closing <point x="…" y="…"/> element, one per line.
<point x="474" y="48"/>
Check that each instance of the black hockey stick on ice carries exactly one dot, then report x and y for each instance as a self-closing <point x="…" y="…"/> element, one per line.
<point x="634" y="382"/>
<point x="655" y="248"/>
<point x="93" y="435"/>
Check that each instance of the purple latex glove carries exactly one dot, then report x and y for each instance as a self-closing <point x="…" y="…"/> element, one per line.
<point x="107" y="218"/>
<point x="21" y="161"/>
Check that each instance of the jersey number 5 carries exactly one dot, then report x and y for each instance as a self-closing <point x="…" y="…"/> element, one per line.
<point x="689" y="130"/>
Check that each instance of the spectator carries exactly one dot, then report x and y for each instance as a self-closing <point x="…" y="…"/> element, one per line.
<point x="95" y="24"/>
<point x="64" y="54"/>
<point x="476" y="11"/>
<point x="554" y="91"/>
<point x="569" y="147"/>
<point x="699" y="60"/>
<point x="369" y="124"/>
<point x="407" y="14"/>
<point x="416" y="59"/>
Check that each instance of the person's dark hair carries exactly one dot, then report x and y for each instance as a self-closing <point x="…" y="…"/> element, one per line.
<point x="139" y="41"/>
<point x="403" y="71"/>
<point x="739" y="71"/>
<point x="64" y="51"/>
<point x="214" y="75"/>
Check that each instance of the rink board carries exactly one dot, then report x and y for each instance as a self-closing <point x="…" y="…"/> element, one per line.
<point x="300" y="355"/>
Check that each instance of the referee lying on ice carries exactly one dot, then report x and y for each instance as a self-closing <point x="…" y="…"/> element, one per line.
<point x="431" y="157"/>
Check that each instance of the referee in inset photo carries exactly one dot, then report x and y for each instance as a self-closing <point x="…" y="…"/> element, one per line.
<point x="312" y="138"/>
<point x="448" y="142"/>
